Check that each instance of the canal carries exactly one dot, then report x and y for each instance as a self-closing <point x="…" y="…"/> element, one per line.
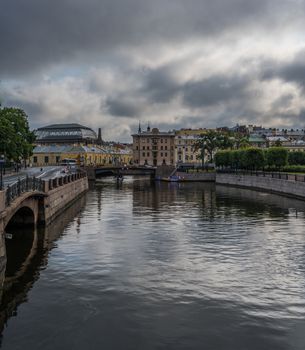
<point x="160" y="266"/>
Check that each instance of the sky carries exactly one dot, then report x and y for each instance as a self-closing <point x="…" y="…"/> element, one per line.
<point x="170" y="63"/>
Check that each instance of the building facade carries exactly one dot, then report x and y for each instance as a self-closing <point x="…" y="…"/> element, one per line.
<point x="153" y="147"/>
<point x="74" y="141"/>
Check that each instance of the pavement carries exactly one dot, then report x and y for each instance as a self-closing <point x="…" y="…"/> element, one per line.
<point x="45" y="173"/>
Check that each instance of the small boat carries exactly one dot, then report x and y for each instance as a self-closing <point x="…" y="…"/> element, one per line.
<point x="172" y="178"/>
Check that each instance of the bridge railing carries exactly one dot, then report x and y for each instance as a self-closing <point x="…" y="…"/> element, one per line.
<point x="20" y="186"/>
<point x="32" y="184"/>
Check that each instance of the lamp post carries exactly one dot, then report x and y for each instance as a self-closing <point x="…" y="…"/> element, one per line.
<point x="2" y="162"/>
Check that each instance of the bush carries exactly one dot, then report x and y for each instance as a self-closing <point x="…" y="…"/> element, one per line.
<point x="296" y="158"/>
<point x="276" y="157"/>
<point x="223" y="158"/>
<point x="253" y="158"/>
<point x="294" y="168"/>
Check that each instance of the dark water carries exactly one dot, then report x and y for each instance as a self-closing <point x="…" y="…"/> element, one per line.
<point x="163" y="266"/>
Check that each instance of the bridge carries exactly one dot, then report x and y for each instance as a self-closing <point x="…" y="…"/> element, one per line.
<point x="33" y="201"/>
<point x="104" y="171"/>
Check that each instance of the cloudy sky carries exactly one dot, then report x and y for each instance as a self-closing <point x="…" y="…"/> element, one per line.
<point x="173" y="63"/>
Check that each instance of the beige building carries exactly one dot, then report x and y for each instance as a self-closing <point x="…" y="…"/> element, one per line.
<point x="153" y="147"/>
<point x="185" y="149"/>
<point x="57" y="142"/>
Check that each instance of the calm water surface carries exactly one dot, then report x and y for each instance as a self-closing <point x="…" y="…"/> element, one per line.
<point x="161" y="266"/>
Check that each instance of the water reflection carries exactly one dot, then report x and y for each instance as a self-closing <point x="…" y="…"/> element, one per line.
<point x="27" y="255"/>
<point x="168" y="266"/>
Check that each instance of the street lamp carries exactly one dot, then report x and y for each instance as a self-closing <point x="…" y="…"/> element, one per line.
<point x="2" y="162"/>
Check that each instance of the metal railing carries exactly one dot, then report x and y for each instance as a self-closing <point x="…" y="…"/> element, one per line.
<point x="20" y="186"/>
<point x="270" y="174"/>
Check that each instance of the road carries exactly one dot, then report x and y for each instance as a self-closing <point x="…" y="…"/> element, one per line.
<point x="41" y="173"/>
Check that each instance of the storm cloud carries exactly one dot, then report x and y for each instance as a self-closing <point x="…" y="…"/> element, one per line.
<point x="196" y="63"/>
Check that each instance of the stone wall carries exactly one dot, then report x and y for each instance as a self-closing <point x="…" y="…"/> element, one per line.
<point x="200" y="176"/>
<point x="289" y="188"/>
<point x="60" y="198"/>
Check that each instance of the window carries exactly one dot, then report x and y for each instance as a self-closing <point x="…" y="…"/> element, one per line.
<point x="35" y="159"/>
<point x="165" y="148"/>
<point x="143" y="154"/>
<point x="165" y="140"/>
<point x="147" y="154"/>
<point x="161" y="148"/>
<point x="143" y="147"/>
<point x="161" y="154"/>
<point x="46" y="159"/>
<point x="165" y="154"/>
<point x="161" y="140"/>
<point x="57" y="159"/>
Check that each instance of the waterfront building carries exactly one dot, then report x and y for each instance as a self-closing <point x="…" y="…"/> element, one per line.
<point x="61" y="141"/>
<point x="69" y="134"/>
<point x="185" y="149"/>
<point x="153" y="147"/>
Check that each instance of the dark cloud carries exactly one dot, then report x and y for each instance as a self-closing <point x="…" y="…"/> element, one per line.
<point x="122" y="107"/>
<point x="215" y="90"/>
<point x="292" y="71"/>
<point x="35" y="34"/>
<point x="160" y="85"/>
<point x="284" y="101"/>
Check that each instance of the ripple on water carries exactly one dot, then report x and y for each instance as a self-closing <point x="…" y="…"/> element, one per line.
<point x="171" y="267"/>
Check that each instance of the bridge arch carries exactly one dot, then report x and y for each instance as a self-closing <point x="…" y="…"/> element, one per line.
<point x="23" y="216"/>
<point x="24" y="211"/>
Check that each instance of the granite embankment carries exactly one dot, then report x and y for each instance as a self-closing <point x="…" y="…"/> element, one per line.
<point x="285" y="184"/>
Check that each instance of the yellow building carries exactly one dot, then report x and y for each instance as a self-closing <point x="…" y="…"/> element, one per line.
<point x="57" y="142"/>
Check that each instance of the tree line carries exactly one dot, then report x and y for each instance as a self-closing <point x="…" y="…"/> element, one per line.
<point x="16" y="139"/>
<point x="273" y="158"/>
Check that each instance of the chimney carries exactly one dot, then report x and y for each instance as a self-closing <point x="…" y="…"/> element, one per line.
<point x="99" y="137"/>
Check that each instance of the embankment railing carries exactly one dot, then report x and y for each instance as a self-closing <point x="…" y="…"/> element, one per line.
<point x="270" y="174"/>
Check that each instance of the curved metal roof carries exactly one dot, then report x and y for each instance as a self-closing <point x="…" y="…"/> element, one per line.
<point x="64" y="133"/>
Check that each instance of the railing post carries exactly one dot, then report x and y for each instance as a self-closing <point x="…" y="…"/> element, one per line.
<point x="18" y="187"/>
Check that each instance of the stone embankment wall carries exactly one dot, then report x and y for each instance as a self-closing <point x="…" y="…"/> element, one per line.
<point x="59" y="198"/>
<point x="164" y="171"/>
<point x="289" y="188"/>
<point x="200" y="176"/>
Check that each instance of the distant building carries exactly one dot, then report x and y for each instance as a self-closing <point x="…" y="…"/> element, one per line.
<point x="257" y="141"/>
<point x="153" y="147"/>
<point x="185" y="149"/>
<point x="61" y="141"/>
<point x="65" y="134"/>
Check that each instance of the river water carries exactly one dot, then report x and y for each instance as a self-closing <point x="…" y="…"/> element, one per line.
<point x="161" y="266"/>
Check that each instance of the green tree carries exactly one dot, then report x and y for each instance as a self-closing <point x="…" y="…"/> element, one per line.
<point x="210" y="142"/>
<point x="253" y="158"/>
<point x="16" y="139"/>
<point x="296" y="158"/>
<point x="223" y="158"/>
<point x="276" y="157"/>
<point x="241" y="141"/>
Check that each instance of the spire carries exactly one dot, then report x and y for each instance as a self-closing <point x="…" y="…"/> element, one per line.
<point x="148" y="127"/>
<point x="139" y="130"/>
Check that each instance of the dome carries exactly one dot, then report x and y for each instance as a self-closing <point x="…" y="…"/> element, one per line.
<point x="65" y="133"/>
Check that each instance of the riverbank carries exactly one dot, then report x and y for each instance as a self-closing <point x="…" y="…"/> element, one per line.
<point x="287" y="186"/>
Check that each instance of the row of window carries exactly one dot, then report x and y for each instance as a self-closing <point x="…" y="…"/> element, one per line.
<point x="148" y="154"/>
<point x="153" y="140"/>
